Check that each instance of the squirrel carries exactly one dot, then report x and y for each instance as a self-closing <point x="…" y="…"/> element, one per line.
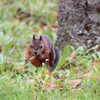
<point x="41" y="51"/>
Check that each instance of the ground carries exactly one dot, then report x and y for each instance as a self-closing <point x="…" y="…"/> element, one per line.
<point x="77" y="74"/>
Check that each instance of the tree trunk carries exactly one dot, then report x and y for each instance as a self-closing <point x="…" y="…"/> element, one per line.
<point x="78" y="23"/>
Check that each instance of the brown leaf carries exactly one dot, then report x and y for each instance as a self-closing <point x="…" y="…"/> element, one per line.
<point x="73" y="54"/>
<point x="21" y="68"/>
<point x="41" y="28"/>
<point x="34" y="29"/>
<point x="74" y="83"/>
<point x="51" y="88"/>
<point x="74" y="90"/>
<point x="18" y="10"/>
<point x="16" y="22"/>
<point x="89" y="69"/>
<point x="39" y="76"/>
<point x="54" y="25"/>
<point x="96" y="63"/>
<point x="88" y="75"/>
<point x="0" y="49"/>
<point x="49" y="73"/>
<point x="59" y="87"/>
<point x="79" y="71"/>
<point x="47" y="88"/>
<point x="28" y="21"/>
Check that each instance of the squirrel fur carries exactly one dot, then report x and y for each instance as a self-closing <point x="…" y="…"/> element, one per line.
<point x="41" y="51"/>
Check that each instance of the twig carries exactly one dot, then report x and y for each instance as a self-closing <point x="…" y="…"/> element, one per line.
<point x="26" y="61"/>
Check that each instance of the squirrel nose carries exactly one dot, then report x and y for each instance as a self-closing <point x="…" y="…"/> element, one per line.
<point x="36" y="53"/>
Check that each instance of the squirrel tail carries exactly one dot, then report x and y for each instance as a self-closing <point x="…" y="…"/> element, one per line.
<point x="57" y="57"/>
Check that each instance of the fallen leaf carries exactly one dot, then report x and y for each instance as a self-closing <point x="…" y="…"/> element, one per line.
<point x="28" y="21"/>
<point x="95" y="63"/>
<point x="89" y="69"/>
<point x="79" y="71"/>
<point x="51" y="88"/>
<point x="16" y="22"/>
<point x="74" y="83"/>
<point x="88" y="75"/>
<point x="49" y="73"/>
<point x="54" y="25"/>
<point x="34" y="29"/>
<point x="59" y="87"/>
<point x="21" y="68"/>
<point x="0" y="49"/>
<point x="47" y="88"/>
<point x="73" y="54"/>
<point x="41" y="28"/>
<point x="18" y="10"/>
<point x="39" y="76"/>
<point x="74" y="90"/>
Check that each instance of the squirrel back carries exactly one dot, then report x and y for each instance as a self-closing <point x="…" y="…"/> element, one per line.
<point x="41" y="50"/>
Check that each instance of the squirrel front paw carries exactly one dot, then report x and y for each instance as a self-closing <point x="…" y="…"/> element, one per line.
<point x="43" y="64"/>
<point x="46" y="60"/>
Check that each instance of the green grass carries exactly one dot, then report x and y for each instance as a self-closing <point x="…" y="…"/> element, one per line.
<point x="16" y="30"/>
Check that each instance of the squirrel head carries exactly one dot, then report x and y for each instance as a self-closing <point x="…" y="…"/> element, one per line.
<point x="36" y="45"/>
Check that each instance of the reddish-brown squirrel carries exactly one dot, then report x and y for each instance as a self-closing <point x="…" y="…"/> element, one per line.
<point x="41" y="51"/>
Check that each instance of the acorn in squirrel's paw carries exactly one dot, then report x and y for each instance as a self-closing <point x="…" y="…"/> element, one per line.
<point x="41" y="51"/>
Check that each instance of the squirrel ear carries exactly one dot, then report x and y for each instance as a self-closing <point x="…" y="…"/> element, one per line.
<point x="33" y="37"/>
<point x="40" y="37"/>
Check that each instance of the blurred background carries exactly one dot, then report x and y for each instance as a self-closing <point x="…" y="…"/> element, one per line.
<point x="19" y="20"/>
<point x="78" y="77"/>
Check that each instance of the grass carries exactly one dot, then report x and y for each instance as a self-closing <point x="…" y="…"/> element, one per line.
<point x="19" y="20"/>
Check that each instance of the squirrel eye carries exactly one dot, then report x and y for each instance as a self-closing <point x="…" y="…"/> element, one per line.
<point x="31" y="46"/>
<point x="40" y="46"/>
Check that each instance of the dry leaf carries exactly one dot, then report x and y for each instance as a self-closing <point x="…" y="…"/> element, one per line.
<point x="0" y="49"/>
<point x="41" y="28"/>
<point x="34" y="29"/>
<point x="39" y="76"/>
<point x="21" y="68"/>
<point x="96" y="63"/>
<point x="16" y="22"/>
<point x="73" y="54"/>
<point x="88" y="75"/>
<point x="54" y="25"/>
<point x="59" y="87"/>
<point x="49" y="73"/>
<point x="28" y="21"/>
<point x="51" y="88"/>
<point x="89" y="69"/>
<point x="74" y="83"/>
<point x="47" y="88"/>
<point x="74" y="90"/>
<point x="79" y="71"/>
